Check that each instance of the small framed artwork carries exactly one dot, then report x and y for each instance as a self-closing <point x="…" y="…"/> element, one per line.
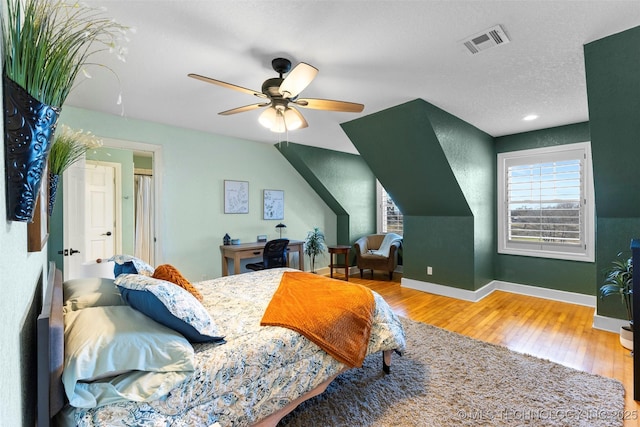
<point x="236" y="197"/>
<point x="273" y="204"/>
<point x="38" y="229"/>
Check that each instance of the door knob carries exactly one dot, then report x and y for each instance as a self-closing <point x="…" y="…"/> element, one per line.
<point x="108" y="233"/>
<point x="73" y="251"/>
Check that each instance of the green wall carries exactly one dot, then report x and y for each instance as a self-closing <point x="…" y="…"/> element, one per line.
<point x="612" y="67"/>
<point x="571" y="276"/>
<point x="191" y="175"/>
<point x="143" y="162"/>
<point x="344" y="182"/>
<point x="440" y="171"/>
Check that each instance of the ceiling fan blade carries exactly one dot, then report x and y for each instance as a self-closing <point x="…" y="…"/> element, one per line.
<point x="243" y="109"/>
<point x="227" y="85"/>
<point x="328" y="104"/>
<point x="298" y="79"/>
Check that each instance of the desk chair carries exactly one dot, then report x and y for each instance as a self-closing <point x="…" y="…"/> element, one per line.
<point x="274" y="255"/>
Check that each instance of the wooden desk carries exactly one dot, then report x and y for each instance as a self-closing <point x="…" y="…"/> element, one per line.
<point x="336" y="250"/>
<point x="254" y="250"/>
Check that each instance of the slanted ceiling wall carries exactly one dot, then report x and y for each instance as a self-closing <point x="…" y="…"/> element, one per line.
<point x="343" y="181"/>
<point x="612" y="67"/>
<point x="440" y="171"/>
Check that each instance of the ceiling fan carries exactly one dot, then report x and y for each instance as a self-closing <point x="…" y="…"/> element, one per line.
<point x="280" y="95"/>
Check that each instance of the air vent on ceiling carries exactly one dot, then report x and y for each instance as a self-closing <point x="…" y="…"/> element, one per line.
<point x="494" y="36"/>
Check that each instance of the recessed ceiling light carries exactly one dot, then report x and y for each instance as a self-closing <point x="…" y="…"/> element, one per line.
<point x="530" y="117"/>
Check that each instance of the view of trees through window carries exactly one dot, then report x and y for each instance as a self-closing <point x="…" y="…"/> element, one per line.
<point x="390" y="215"/>
<point x="544" y="202"/>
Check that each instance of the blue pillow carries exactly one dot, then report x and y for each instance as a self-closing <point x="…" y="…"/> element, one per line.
<point x="169" y="305"/>
<point x="126" y="268"/>
<point x="127" y="264"/>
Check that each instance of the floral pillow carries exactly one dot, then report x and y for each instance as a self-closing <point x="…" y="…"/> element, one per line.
<point x="169" y="305"/>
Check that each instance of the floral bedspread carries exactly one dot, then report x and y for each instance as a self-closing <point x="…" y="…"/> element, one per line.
<point x="256" y="373"/>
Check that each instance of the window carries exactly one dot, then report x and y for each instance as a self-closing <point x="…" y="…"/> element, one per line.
<point x="389" y="216"/>
<point x="546" y="203"/>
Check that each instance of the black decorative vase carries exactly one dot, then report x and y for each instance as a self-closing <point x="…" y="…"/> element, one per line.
<point x="28" y="133"/>
<point x="53" y="189"/>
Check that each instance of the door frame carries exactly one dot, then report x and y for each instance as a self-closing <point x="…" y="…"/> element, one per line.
<point x="156" y="152"/>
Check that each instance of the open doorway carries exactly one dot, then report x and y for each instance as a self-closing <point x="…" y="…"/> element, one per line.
<point x="135" y="218"/>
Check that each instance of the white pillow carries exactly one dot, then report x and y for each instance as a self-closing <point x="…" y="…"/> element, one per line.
<point x="117" y="354"/>
<point x="90" y="292"/>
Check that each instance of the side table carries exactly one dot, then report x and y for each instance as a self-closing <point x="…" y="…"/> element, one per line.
<point x="334" y="252"/>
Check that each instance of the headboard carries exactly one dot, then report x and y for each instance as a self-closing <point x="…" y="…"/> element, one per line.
<point x="50" y="344"/>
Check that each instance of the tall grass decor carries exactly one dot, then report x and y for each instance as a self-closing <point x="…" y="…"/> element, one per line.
<point x="46" y="45"/>
<point x="68" y="147"/>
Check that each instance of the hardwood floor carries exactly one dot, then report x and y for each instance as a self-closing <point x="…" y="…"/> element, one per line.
<point x="551" y="330"/>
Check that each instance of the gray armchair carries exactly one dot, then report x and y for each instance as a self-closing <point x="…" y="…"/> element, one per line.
<point x="374" y="253"/>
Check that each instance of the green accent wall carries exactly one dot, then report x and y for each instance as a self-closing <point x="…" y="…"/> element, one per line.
<point x="570" y="276"/>
<point x="612" y="67"/>
<point x="440" y="171"/>
<point x="343" y="181"/>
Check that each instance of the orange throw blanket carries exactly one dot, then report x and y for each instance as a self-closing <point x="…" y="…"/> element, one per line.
<point x="335" y="315"/>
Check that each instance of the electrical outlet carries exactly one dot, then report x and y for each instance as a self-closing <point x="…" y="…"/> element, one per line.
<point x="429" y="271"/>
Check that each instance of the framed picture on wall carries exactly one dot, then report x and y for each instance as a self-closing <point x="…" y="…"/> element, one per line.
<point x="236" y="197"/>
<point x="273" y="201"/>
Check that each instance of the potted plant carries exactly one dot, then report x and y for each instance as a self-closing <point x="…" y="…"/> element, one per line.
<point x="68" y="147"/>
<point x="314" y="245"/>
<point x="619" y="281"/>
<point x="45" y="45"/>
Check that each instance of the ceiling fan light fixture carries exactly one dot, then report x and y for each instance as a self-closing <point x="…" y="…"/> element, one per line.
<point x="292" y="119"/>
<point x="268" y="117"/>
<point x="280" y="92"/>
<point x="279" y="126"/>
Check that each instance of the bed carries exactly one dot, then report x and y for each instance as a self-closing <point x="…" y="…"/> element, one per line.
<point x="252" y="375"/>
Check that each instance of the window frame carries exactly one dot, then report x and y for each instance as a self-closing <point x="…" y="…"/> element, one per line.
<point x="381" y="195"/>
<point x="585" y="251"/>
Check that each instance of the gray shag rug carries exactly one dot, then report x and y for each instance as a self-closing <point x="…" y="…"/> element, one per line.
<point x="446" y="379"/>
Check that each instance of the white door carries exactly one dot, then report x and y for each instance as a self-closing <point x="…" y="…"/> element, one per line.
<point x="90" y="230"/>
<point x="73" y="234"/>
<point x="99" y="221"/>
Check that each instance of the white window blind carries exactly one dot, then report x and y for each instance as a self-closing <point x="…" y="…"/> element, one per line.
<point x="389" y="216"/>
<point x="546" y="202"/>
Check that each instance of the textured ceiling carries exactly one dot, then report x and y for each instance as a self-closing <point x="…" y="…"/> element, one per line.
<point x="379" y="53"/>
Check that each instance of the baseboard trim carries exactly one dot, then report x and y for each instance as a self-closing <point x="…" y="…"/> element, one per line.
<point x="604" y="323"/>
<point x="610" y="324"/>
<point x="494" y="285"/>
<point x="447" y="291"/>
<point x="546" y="293"/>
